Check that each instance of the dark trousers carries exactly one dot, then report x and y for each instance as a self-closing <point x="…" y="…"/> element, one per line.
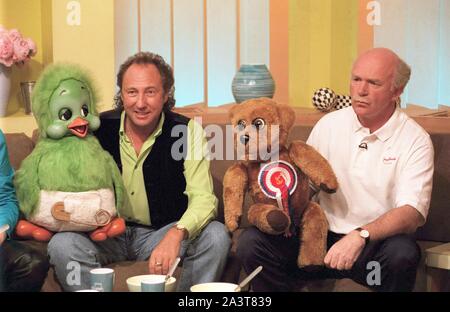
<point x="21" y="267"/>
<point x="388" y="265"/>
<point x="2" y="269"/>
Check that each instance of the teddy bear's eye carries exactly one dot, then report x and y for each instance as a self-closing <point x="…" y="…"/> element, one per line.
<point x="241" y="125"/>
<point x="259" y="123"/>
<point x="65" y="114"/>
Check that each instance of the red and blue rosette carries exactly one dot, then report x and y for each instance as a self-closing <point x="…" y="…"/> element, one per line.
<point x="278" y="180"/>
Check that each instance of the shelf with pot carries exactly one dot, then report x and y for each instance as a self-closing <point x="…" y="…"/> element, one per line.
<point x="18" y="122"/>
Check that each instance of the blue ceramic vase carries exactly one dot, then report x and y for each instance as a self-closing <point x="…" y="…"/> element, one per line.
<point x="252" y="81"/>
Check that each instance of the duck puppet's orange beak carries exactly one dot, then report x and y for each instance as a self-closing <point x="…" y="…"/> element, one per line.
<point x="79" y="127"/>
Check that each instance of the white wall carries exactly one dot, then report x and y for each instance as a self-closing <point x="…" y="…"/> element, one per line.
<point x="195" y="69"/>
<point x="419" y="32"/>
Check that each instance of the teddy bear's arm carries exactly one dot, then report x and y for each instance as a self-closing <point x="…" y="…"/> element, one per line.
<point x="235" y="183"/>
<point x="314" y="165"/>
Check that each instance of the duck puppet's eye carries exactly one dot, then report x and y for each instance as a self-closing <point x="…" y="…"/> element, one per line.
<point x="65" y="114"/>
<point x="84" y="110"/>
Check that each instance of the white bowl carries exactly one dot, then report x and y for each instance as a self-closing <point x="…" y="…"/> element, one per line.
<point x="134" y="283"/>
<point x="87" y="290"/>
<point x="215" y="287"/>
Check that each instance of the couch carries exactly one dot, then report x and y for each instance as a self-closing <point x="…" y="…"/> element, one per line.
<point x="436" y="230"/>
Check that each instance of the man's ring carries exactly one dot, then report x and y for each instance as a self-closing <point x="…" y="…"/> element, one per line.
<point x="158" y="263"/>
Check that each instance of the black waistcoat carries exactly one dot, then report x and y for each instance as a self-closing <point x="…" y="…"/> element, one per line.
<point x="163" y="175"/>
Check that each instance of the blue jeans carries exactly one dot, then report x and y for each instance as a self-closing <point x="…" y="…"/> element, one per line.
<point x="203" y="258"/>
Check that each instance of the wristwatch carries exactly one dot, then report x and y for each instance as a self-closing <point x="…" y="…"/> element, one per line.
<point x="364" y="234"/>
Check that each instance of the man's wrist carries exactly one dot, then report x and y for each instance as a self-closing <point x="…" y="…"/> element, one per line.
<point x="181" y="229"/>
<point x="363" y="234"/>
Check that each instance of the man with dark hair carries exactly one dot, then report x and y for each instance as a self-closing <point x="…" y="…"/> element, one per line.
<point x="21" y="268"/>
<point x="170" y="205"/>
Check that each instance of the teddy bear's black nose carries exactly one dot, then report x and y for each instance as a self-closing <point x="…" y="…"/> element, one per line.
<point x="244" y="139"/>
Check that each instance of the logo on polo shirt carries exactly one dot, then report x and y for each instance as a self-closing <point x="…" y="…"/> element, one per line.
<point x="388" y="160"/>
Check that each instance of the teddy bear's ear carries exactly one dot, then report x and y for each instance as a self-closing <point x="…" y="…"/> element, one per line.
<point x="287" y="116"/>
<point x="232" y="111"/>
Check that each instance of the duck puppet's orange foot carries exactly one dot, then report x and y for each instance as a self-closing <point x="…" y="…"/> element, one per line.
<point x="25" y="229"/>
<point x="112" y="229"/>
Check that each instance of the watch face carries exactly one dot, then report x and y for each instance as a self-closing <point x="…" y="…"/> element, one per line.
<point x="364" y="233"/>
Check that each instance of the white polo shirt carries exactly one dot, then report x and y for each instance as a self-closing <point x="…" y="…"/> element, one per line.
<point x="395" y="169"/>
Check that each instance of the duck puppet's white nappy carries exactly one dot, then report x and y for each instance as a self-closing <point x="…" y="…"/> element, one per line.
<point x="80" y="211"/>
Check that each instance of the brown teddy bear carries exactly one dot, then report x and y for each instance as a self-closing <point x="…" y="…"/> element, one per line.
<point x="277" y="177"/>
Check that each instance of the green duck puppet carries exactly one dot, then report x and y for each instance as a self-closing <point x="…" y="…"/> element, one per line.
<point x="68" y="182"/>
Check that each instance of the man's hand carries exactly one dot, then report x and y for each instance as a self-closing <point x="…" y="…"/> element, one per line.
<point x="166" y="252"/>
<point x="2" y="237"/>
<point x="343" y="254"/>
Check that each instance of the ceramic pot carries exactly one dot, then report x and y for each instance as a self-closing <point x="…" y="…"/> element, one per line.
<point x="252" y="81"/>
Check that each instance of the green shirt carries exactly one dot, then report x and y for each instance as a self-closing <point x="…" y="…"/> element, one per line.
<point x="202" y="203"/>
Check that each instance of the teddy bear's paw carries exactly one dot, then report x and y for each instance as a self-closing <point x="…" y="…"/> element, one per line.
<point x="232" y="221"/>
<point x="278" y="221"/>
<point x="329" y="188"/>
<point x="310" y="262"/>
<point x="231" y="226"/>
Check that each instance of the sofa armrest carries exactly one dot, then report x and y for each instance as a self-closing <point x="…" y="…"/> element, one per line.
<point x="19" y="147"/>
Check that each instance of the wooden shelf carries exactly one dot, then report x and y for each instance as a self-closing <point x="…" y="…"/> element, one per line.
<point x="433" y="121"/>
<point x="18" y="122"/>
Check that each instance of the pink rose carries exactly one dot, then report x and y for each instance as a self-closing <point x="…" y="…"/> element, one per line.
<point x="21" y="50"/>
<point x="15" y="35"/>
<point x="14" y="49"/>
<point x="32" y="47"/>
<point x="6" y="51"/>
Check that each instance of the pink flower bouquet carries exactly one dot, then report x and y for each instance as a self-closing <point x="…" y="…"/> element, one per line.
<point x="14" y="49"/>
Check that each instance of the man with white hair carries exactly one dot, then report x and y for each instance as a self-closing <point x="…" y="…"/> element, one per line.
<point x="384" y="164"/>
